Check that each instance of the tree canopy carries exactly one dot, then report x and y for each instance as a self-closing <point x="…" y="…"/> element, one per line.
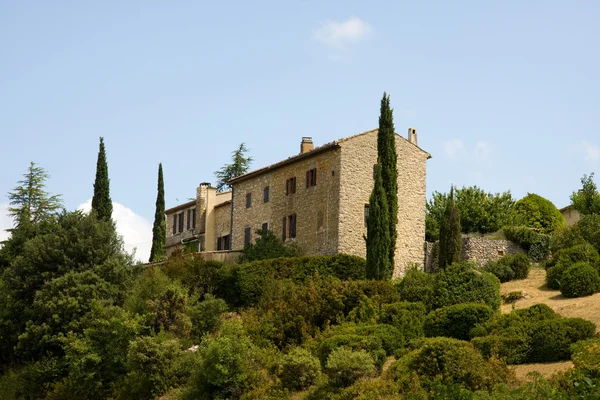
<point x="587" y="199"/>
<point x="240" y="164"/>
<point x="159" y="229"/>
<point x="101" y="202"/>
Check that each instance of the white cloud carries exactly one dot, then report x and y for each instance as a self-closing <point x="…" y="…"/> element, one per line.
<point x="340" y="35"/>
<point x="590" y="151"/>
<point x="482" y="149"/>
<point x="6" y="222"/>
<point x="454" y="148"/>
<point x="135" y="229"/>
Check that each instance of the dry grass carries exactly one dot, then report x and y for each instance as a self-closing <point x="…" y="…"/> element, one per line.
<point x="535" y="291"/>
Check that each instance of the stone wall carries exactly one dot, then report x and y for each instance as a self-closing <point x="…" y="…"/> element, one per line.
<point x="173" y="240"/>
<point x="359" y="155"/>
<point x="476" y="250"/>
<point x="316" y="207"/>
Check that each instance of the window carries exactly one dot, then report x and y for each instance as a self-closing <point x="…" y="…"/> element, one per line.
<point x="266" y="194"/>
<point x="284" y="234"/>
<point x="292" y="224"/>
<point x="265" y="227"/>
<point x="189" y="220"/>
<point x="194" y="218"/>
<point x="174" y="224"/>
<point x="290" y="186"/>
<point x="248" y="200"/>
<point x="181" y="217"/>
<point x="246" y="235"/>
<point x="366" y="214"/>
<point x="223" y="242"/>
<point x="311" y="177"/>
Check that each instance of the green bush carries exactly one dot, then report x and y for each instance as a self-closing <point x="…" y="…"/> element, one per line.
<point x="407" y="317"/>
<point x="589" y="226"/>
<point x="579" y="280"/>
<point x="417" y="286"/>
<point x="586" y="356"/>
<point x="521" y="235"/>
<point x="462" y="283"/>
<point x="554" y="275"/>
<point x="519" y="263"/>
<point x="448" y="361"/>
<point x="581" y="252"/>
<point x="456" y="321"/>
<point x="566" y="237"/>
<point x="345" y="366"/>
<point x="513" y="345"/>
<point x="298" y="369"/>
<point x="267" y="246"/>
<point x="500" y="270"/>
<point x="551" y="340"/>
<point x="206" y="315"/>
<point x="539" y="213"/>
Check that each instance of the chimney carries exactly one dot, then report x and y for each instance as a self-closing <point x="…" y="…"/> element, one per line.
<point x="412" y="136"/>
<point x="306" y="145"/>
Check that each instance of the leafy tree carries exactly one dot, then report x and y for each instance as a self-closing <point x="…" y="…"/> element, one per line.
<point x="450" y="234"/>
<point x="240" y="164"/>
<point x="378" y="232"/>
<point x="587" y="199"/>
<point x="101" y="202"/>
<point x="267" y="246"/>
<point x="480" y="212"/>
<point x="387" y="160"/>
<point x="539" y="213"/>
<point x="159" y="230"/>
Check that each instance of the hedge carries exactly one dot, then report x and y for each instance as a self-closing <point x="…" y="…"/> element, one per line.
<point x="536" y="245"/>
<point x="417" y="286"/>
<point x="407" y="317"/>
<point x="462" y="283"/>
<point x="456" y="321"/>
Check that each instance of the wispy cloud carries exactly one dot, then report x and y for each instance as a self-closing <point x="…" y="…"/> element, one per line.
<point x="454" y="148"/>
<point x="341" y="35"/>
<point x="590" y="151"/>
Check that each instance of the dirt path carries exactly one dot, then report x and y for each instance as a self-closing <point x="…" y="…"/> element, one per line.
<point x="535" y="290"/>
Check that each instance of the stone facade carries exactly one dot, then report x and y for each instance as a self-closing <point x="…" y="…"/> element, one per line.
<point x="330" y="216"/>
<point x="476" y="250"/>
<point x="571" y="215"/>
<point x="359" y="155"/>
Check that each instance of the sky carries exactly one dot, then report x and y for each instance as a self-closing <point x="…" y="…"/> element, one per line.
<point x="504" y="95"/>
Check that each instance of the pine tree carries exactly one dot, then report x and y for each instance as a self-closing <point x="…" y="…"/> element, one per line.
<point x="450" y="236"/>
<point x="240" y="165"/>
<point x="387" y="159"/>
<point x="101" y="202"/>
<point x="160" y="226"/>
<point x="378" y="232"/>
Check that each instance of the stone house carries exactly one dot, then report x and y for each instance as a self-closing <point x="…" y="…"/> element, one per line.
<point x="318" y="199"/>
<point x="571" y="215"/>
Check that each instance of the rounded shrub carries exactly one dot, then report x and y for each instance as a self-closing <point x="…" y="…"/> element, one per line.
<point x="345" y="366"/>
<point x="579" y="280"/>
<point x="554" y="275"/>
<point x="551" y="340"/>
<point x="298" y="369"/>
<point x="586" y="356"/>
<point x="500" y="270"/>
<point x="539" y="213"/>
<point x="456" y="321"/>
<point x="448" y="361"/>
<point x="462" y="283"/>
<point x="407" y="317"/>
<point x="417" y="286"/>
<point x="519" y="263"/>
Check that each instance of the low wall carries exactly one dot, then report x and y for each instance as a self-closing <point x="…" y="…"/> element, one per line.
<point x="476" y="250"/>
<point x="226" y="256"/>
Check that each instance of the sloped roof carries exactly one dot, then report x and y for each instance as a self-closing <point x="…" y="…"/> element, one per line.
<point x="317" y="150"/>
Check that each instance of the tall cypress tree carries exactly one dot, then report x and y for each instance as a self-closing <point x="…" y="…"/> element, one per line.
<point x="450" y="236"/>
<point x="378" y="232"/>
<point x="159" y="230"/>
<point x="387" y="159"/>
<point x="101" y="201"/>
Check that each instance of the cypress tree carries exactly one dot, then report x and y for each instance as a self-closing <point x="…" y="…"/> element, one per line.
<point x="387" y="159"/>
<point x="450" y="236"/>
<point x="159" y="229"/>
<point x="378" y="232"/>
<point x="101" y="201"/>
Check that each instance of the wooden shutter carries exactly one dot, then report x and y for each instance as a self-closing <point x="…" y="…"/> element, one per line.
<point x="283" y="235"/>
<point x="174" y="224"/>
<point x="194" y="219"/>
<point x="219" y="243"/>
<point x="189" y="219"/>
<point x="293" y="226"/>
<point x="246" y="236"/>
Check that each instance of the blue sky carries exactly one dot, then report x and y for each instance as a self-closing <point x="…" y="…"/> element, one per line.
<point x="505" y="95"/>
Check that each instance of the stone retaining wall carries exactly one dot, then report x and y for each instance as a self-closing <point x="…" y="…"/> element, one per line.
<point x="476" y="250"/>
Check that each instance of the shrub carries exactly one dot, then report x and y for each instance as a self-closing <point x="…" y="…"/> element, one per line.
<point x="298" y="369"/>
<point x="586" y="356"/>
<point x="554" y="275"/>
<point x="551" y="340"/>
<point x="448" y="361"/>
<point x="206" y="315"/>
<point x="519" y="263"/>
<point x="456" y="321"/>
<point x="500" y="270"/>
<point x="566" y="237"/>
<point x="539" y="213"/>
<point x="407" y="317"/>
<point x="462" y="283"/>
<point x="521" y="235"/>
<point x="511" y="297"/>
<point x="513" y="345"/>
<point x="345" y="366"/>
<point x="267" y="246"/>
<point x="579" y="280"/>
<point x="589" y="226"/>
<point x="417" y="286"/>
